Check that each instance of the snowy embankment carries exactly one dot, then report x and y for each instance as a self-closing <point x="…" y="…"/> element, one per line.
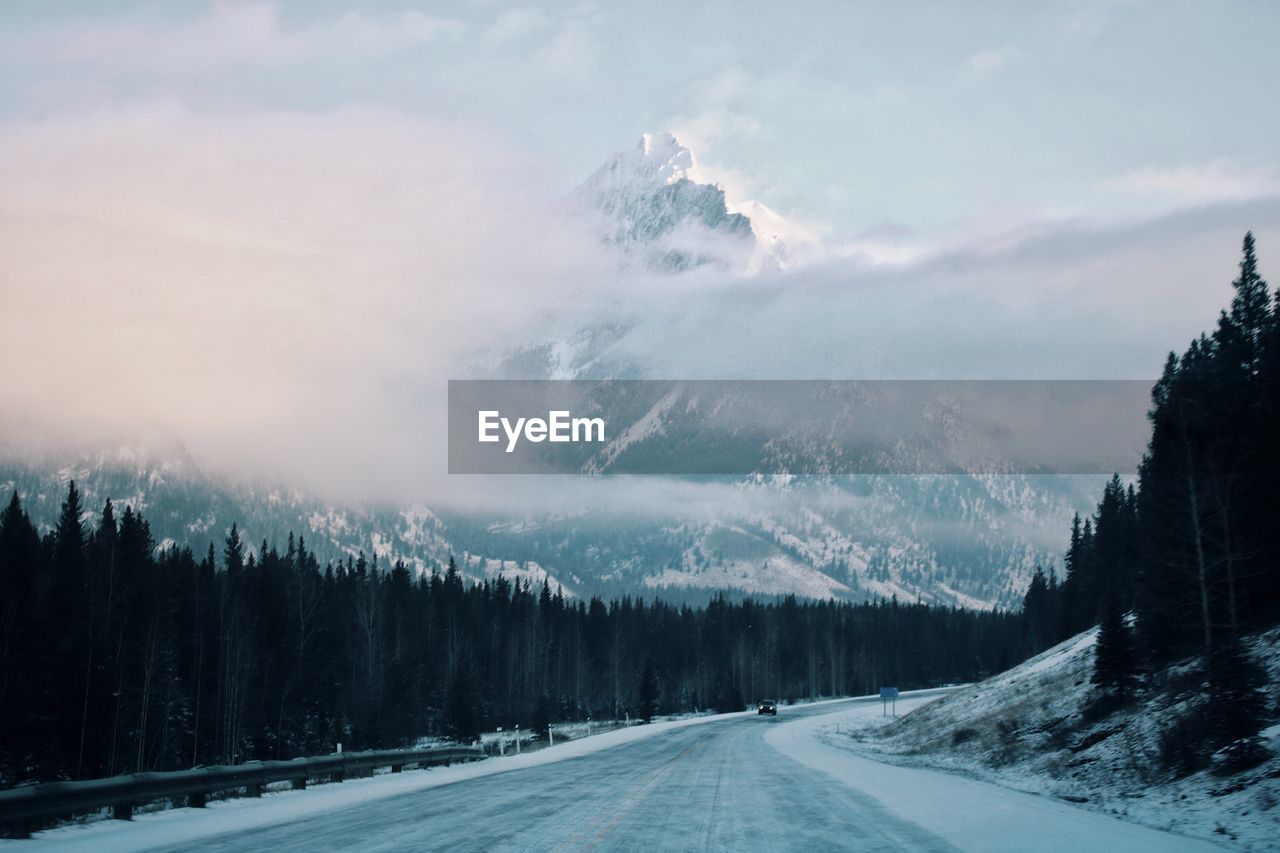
<point x="966" y="814"/>
<point x="1024" y="730"/>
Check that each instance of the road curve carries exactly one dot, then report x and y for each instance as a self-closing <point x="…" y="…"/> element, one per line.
<point x="714" y="786"/>
<point x="737" y="783"/>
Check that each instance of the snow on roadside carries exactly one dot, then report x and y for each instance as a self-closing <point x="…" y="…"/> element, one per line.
<point x="1023" y="729"/>
<point x="968" y="814"/>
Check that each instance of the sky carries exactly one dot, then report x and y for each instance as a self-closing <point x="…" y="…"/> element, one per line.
<point x="236" y="221"/>
<point x="854" y="116"/>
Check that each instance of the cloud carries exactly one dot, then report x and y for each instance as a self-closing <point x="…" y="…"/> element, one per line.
<point x="1215" y="181"/>
<point x="516" y="24"/>
<point x="286" y="292"/>
<point x="228" y="34"/>
<point x="1088" y="19"/>
<point x="572" y="52"/>
<point x="994" y="59"/>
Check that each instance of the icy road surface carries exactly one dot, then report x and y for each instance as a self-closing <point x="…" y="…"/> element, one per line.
<point x="736" y="782"/>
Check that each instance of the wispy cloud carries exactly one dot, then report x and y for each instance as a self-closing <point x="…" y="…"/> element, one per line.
<point x="225" y="35"/>
<point x="993" y="59"/>
<point x="516" y="24"/>
<point x="1203" y="183"/>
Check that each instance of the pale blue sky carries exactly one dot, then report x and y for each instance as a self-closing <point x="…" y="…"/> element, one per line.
<point x="851" y="116"/>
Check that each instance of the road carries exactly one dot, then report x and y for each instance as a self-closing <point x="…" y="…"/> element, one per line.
<point x="728" y="784"/>
<point x="708" y="787"/>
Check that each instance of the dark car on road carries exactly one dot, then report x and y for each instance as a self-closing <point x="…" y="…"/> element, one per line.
<point x="767" y="706"/>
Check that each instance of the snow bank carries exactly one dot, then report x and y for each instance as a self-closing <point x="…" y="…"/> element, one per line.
<point x="971" y="815"/>
<point x="1023" y="729"/>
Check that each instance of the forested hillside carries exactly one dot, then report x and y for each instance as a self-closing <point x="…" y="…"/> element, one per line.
<point x="119" y="656"/>
<point x="1194" y="550"/>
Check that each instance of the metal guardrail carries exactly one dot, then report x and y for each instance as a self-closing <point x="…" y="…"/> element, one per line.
<point x="24" y="806"/>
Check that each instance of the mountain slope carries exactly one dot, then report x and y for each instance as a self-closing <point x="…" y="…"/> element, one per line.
<point x="1028" y="729"/>
<point x="947" y="540"/>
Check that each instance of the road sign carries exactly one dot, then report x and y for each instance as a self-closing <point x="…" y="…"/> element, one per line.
<point x="887" y="695"/>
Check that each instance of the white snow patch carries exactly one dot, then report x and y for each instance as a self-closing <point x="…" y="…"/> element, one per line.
<point x="968" y="814"/>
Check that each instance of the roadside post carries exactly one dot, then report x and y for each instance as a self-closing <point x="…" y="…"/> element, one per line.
<point x="888" y="695"/>
<point x="502" y="744"/>
<point x="517" y="738"/>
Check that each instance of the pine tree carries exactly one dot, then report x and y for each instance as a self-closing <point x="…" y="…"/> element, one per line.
<point x="1037" y="614"/>
<point x="1250" y="307"/>
<point x="1237" y="704"/>
<point x="1115" y="663"/>
<point x="1237" y="708"/>
<point x="647" y="692"/>
<point x="728" y="697"/>
<point x="69" y="536"/>
<point x="541" y="723"/>
<point x="461" y="709"/>
<point x="233" y="552"/>
<point x="279" y="657"/>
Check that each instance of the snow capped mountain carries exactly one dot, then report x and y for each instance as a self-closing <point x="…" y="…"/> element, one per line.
<point x="971" y="541"/>
<point x="659" y="160"/>
<point x="780" y="242"/>
<point x="648" y="204"/>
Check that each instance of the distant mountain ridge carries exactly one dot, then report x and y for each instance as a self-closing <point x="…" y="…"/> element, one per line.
<point x="968" y="541"/>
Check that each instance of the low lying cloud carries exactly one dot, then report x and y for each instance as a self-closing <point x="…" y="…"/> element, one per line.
<point x="283" y="291"/>
<point x="1206" y="183"/>
<point x="288" y="293"/>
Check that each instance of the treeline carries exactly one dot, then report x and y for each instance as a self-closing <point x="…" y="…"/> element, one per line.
<point x="118" y="656"/>
<point x="1194" y="551"/>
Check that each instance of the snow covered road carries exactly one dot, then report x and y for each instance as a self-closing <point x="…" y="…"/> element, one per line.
<point x="730" y="783"/>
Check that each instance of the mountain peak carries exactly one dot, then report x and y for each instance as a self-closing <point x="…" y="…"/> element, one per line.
<point x="658" y="160"/>
<point x="670" y="160"/>
<point x="651" y="209"/>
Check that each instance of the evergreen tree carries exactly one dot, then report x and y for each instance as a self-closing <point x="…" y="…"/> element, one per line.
<point x="729" y="697"/>
<point x="269" y="655"/>
<point x="647" y="692"/>
<point x="541" y="723"/>
<point x="461" y="709"/>
<point x="1237" y="706"/>
<point x="1250" y="306"/>
<point x="1115" y="663"/>
<point x="1037" y="614"/>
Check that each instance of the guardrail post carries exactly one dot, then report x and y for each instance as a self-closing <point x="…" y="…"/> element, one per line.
<point x="300" y="784"/>
<point x="197" y="801"/>
<point x="122" y="811"/>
